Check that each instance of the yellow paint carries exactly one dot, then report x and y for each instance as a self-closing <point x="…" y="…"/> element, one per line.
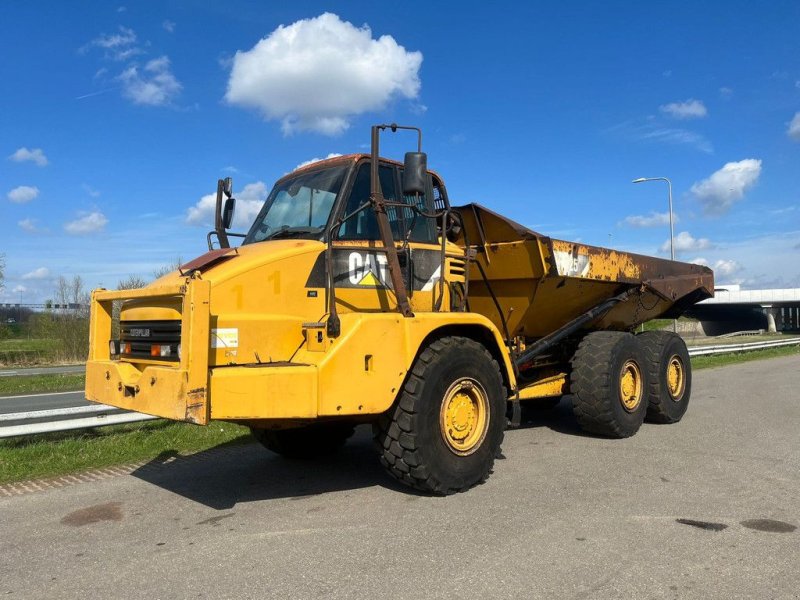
<point x="548" y="386"/>
<point x="676" y="377"/>
<point x="174" y="392"/>
<point x="630" y="386"/>
<point x="464" y="416"/>
<point x="282" y="392"/>
<point x="290" y="372"/>
<point x="370" y="279"/>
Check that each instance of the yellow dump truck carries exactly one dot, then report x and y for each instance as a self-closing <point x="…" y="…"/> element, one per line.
<point x="360" y="295"/>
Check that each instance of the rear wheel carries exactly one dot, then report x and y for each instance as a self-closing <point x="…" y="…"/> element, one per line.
<point x="445" y="429"/>
<point x="608" y="384"/>
<point x="670" y="371"/>
<point x="311" y="441"/>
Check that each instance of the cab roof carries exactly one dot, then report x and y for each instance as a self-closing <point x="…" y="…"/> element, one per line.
<point x="344" y="160"/>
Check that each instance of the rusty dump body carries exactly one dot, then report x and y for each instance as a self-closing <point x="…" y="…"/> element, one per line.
<point x="541" y="284"/>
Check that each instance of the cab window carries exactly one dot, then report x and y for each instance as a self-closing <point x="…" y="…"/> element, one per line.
<point x="404" y="221"/>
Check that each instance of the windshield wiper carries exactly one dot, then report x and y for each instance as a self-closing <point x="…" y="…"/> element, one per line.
<point x="286" y="231"/>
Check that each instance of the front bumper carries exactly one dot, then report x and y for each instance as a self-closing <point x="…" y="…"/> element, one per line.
<point x="178" y="392"/>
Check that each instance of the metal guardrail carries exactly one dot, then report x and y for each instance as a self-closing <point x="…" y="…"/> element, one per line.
<point x="745" y="347"/>
<point x="64" y="419"/>
<point x="83" y="417"/>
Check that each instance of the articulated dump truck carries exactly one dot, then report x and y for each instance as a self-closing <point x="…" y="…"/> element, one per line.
<point x="360" y="295"/>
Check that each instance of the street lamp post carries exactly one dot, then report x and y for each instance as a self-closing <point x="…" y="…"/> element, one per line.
<point x="671" y="224"/>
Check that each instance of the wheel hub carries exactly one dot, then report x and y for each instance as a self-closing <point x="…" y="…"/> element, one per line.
<point x="630" y="386"/>
<point x="464" y="416"/>
<point x="676" y="378"/>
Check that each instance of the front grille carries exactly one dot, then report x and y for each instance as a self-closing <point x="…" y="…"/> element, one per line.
<point x="142" y="335"/>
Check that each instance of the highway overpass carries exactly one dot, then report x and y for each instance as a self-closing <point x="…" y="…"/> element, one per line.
<point x="735" y="309"/>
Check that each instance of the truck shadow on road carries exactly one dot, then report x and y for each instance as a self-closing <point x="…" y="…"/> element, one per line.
<point x="226" y="475"/>
<point x="559" y="418"/>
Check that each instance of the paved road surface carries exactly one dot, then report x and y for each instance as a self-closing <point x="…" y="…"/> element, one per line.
<point x="43" y="370"/>
<point x="563" y="516"/>
<point x="12" y="404"/>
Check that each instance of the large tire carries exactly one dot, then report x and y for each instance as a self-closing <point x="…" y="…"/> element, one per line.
<point x="446" y="427"/>
<point x="670" y="371"/>
<point x="608" y="384"/>
<point x="311" y="441"/>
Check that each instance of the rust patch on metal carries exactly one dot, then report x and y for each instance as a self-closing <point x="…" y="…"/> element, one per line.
<point x="111" y="511"/>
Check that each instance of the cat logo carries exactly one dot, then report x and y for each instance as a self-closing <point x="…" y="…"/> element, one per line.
<point x="368" y="270"/>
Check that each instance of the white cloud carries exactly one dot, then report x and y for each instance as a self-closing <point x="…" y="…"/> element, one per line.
<point x="155" y="85"/>
<point x="315" y="74"/>
<point x="725" y="92"/>
<point x="313" y="160"/>
<point x="168" y="26"/>
<point x="724" y="187"/>
<point x="684" y="242"/>
<point x="699" y="261"/>
<point x="679" y="136"/>
<point x="23" y="194"/>
<point x="690" y="109"/>
<point x="118" y="46"/>
<point x="248" y="202"/>
<point x="654" y="219"/>
<point x="90" y="190"/>
<point x="793" y="131"/>
<point x="726" y="268"/>
<point x="95" y="221"/>
<point x="650" y="130"/>
<point x="35" y="156"/>
<point x="29" y="225"/>
<point x="40" y="273"/>
<point x="20" y="289"/>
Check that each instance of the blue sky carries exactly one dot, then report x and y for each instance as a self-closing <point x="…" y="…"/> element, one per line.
<point x="117" y="119"/>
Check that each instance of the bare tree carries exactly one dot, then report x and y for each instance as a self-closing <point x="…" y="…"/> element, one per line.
<point x="168" y="268"/>
<point x="131" y="282"/>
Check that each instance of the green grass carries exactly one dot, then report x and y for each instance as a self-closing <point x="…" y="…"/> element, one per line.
<point x="49" y="455"/>
<point x="721" y="360"/>
<point x="26" y="344"/>
<point x="37" y="384"/>
<point x="27" y="351"/>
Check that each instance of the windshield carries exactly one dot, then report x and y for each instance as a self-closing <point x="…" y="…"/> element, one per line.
<point x="298" y="207"/>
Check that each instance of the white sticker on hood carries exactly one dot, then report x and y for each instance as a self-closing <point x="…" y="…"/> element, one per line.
<point x="225" y="338"/>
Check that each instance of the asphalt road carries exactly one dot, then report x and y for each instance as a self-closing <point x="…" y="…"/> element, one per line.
<point x="26" y="402"/>
<point x="563" y="516"/>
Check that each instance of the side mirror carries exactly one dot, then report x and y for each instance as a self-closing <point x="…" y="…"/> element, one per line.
<point x="228" y="211"/>
<point x="415" y="173"/>
<point x="227" y="186"/>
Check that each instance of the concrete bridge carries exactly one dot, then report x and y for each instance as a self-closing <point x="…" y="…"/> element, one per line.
<point x="735" y="309"/>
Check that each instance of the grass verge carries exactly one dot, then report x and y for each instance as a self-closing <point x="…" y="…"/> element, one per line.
<point x="39" y="384"/>
<point x="49" y="455"/>
<point x="721" y="360"/>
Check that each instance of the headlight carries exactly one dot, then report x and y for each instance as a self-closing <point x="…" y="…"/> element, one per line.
<point x="160" y="350"/>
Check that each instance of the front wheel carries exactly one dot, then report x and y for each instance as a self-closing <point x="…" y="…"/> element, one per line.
<point x="445" y="429"/>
